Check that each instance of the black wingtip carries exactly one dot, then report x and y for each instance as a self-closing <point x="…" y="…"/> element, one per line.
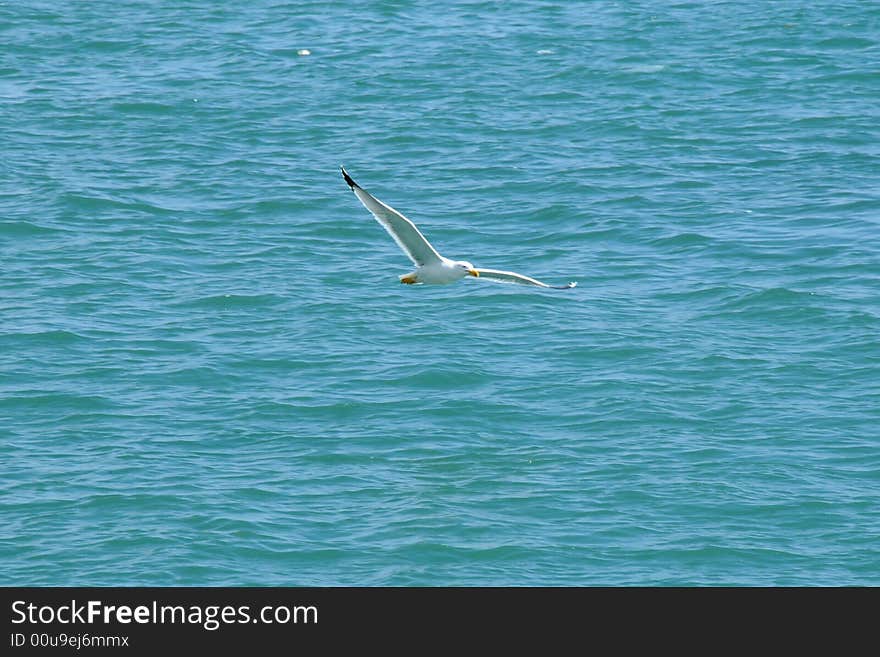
<point x="351" y="183"/>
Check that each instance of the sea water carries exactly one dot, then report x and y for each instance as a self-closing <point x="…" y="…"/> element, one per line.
<point x="210" y="374"/>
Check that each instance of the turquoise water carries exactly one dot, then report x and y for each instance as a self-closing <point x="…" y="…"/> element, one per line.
<point x="200" y="385"/>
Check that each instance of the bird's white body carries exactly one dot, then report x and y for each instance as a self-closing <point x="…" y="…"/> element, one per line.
<point x="431" y="267"/>
<point x="439" y="272"/>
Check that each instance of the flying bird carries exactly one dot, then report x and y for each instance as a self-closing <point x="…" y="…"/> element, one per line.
<point x="431" y="267"/>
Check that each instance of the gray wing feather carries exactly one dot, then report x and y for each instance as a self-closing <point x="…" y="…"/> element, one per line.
<point x="404" y="231"/>
<point x="512" y="277"/>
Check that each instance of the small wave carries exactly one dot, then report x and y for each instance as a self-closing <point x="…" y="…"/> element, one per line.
<point x="57" y="400"/>
<point x="646" y="68"/>
<point x="50" y="337"/>
<point x="144" y="107"/>
<point x="232" y="301"/>
<point x="779" y="302"/>
<point x="95" y="201"/>
<point x="846" y="43"/>
<point x="25" y="228"/>
<point x="682" y="240"/>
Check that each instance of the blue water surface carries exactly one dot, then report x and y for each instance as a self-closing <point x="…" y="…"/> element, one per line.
<point x="210" y="374"/>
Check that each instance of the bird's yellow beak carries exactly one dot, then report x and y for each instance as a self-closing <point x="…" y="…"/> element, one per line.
<point x="474" y="272"/>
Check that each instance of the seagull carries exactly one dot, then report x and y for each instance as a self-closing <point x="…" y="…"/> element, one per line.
<point x="431" y="267"/>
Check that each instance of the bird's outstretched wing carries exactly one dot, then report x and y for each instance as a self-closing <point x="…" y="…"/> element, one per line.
<point x="512" y="277"/>
<point x="399" y="227"/>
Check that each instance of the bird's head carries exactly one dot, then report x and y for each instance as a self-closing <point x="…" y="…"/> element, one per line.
<point x="467" y="267"/>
